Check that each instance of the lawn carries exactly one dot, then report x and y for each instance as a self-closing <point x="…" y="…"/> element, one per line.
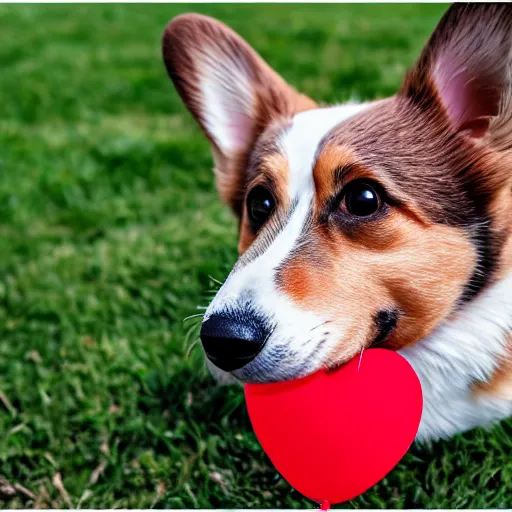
<point x="111" y="235"/>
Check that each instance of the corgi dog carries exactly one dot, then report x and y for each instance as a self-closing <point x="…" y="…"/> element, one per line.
<point x="385" y="223"/>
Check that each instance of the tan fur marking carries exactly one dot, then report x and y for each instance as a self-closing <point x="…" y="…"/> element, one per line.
<point x="500" y="384"/>
<point x="275" y="167"/>
<point x="274" y="172"/>
<point x="329" y="160"/>
<point x="393" y="263"/>
<point x="501" y="213"/>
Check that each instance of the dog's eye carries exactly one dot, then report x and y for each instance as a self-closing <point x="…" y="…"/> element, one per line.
<point x="361" y="199"/>
<point x="260" y="205"/>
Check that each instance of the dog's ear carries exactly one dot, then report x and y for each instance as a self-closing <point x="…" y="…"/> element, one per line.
<point x="466" y="68"/>
<point x="229" y="89"/>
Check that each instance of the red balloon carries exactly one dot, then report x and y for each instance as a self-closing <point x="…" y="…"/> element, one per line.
<point x="334" y="435"/>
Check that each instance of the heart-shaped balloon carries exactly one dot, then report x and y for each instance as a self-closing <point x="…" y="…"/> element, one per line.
<point x="334" y="435"/>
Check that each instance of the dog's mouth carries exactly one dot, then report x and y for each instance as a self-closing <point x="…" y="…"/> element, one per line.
<point x="281" y="365"/>
<point x="278" y="357"/>
<point x="267" y="369"/>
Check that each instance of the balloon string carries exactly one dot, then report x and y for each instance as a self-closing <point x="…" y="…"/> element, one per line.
<point x="325" y="505"/>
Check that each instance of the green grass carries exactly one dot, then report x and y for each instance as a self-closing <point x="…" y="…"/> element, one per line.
<point x="110" y="229"/>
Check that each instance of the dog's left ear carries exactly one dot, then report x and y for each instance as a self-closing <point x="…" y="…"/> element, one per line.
<point x="466" y="67"/>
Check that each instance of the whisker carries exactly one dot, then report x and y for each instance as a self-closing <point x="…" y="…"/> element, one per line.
<point x="320" y="325"/>
<point x="191" y="347"/>
<point x="192" y="316"/>
<point x="360" y="359"/>
<point x="215" y="280"/>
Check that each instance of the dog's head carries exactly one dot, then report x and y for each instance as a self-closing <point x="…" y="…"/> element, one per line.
<point x="360" y="224"/>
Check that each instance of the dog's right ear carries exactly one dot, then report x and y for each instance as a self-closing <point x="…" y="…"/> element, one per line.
<point x="229" y="89"/>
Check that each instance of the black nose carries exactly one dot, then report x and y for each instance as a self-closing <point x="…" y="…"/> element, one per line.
<point x="231" y="341"/>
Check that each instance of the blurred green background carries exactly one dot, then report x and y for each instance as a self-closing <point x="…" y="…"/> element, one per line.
<point x="111" y="235"/>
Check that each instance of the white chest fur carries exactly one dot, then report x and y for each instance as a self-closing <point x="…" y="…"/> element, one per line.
<point x="459" y="353"/>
